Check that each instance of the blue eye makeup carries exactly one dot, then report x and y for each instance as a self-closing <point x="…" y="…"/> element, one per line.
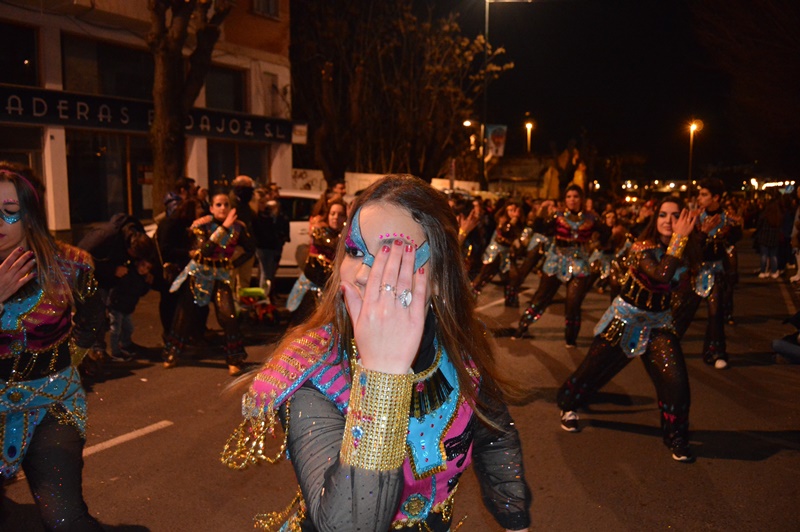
<point x="356" y="247"/>
<point x="10" y="217"/>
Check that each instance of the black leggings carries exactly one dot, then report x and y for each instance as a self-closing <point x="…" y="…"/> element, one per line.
<point x="53" y="466"/>
<point x="189" y="317"/>
<point x="548" y="287"/>
<point x="714" y="343"/>
<point x="665" y="365"/>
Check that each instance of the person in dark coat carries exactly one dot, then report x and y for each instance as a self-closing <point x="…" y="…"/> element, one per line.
<point x="122" y="301"/>
<point x="113" y="245"/>
<point x="271" y="231"/>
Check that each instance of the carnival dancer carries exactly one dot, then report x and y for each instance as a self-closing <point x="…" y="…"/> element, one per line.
<point x="716" y="232"/>
<point x="49" y="312"/>
<point x="497" y="255"/>
<point x="601" y="261"/>
<point x="389" y="391"/>
<point x="567" y="262"/>
<point x="318" y="267"/>
<point x="639" y="324"/>
<point x="535" y="245"/>
<point x="207" y="278"/>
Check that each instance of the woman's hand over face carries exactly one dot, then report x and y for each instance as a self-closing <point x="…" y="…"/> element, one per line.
<point x="685" y="223"/>
<point x="387" y="332"/>
<point x="15" y="271"/>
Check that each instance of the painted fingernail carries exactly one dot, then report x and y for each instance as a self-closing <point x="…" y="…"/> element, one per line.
<point x="20" y="249"/>
<point x="385" y="248"/>
<point x="409" y="247"/>
<point x="422" y="270"/>
<point x="398" y="242"/>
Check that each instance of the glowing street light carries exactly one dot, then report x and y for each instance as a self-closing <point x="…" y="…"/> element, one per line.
<point x="529" y="128"/>
<point x="694" y="125"/>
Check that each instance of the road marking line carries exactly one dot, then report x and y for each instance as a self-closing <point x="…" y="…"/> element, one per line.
<point x="126" y="437"/>
<point x="499" y="301"/>
<point x="787" y="298"/>
<point x="115" y="441"/>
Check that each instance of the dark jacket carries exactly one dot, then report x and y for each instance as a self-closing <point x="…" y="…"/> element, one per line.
<point x="108" y="244"/>
<point x="271" y="232"/>
<point x="127" y="293"/>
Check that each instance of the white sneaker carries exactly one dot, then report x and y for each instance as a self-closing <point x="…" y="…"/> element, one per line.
<point x="775" y="275"/>
<point x="763" y="275"/>
<point x="569" y="421"/>
<point x="720" y="363"/>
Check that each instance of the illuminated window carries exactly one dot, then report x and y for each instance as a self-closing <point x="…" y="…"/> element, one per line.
<point x="268" y="8"/>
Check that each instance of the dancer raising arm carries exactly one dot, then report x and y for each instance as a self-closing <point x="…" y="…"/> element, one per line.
<point x="639" y="324"/>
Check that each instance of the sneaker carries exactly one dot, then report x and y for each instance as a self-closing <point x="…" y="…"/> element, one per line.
<point x="720" y="363"/>
<point x="569" y="421"/>
<point x="123" y="356"/>
<point x="571" y="346"/>
<point x="170" y="362"/>
<point x="681" y="452"/>
<point x="97" y="355"/>
<point x="775" y="275"/>
<point x="763" y="275"/>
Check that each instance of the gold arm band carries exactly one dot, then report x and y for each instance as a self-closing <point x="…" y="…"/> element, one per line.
<point x="676" y="245"/>
<point x="377" y="420"/>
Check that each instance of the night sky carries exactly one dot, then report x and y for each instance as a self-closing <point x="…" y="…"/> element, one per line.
<point x="628" y="72"/>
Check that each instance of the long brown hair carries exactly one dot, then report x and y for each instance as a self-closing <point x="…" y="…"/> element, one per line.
<point x="30" y="192"/>
<point x="650" y="232"/>
<point x="458" y="330"/>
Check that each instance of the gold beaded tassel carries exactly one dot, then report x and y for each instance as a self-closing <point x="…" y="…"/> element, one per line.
<point x="288" y="520"/>
<point x="246" y="446"/>
<point x="377" y="420"/>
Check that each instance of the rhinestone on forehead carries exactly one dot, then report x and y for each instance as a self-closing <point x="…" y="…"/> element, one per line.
<point x="355" y="238"/>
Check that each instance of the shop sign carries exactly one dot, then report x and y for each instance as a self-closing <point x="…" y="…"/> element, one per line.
<point x="31" y="105"/>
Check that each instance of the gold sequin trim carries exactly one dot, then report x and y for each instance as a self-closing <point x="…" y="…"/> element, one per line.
<point x="377" y="420"/>
<point x="293" y="517"/>
<point x="445" y="508"/>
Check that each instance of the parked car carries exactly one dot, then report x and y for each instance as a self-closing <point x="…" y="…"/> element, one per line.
<point x="297" y="205"/>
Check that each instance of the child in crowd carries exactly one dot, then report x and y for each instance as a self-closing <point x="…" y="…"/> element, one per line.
<point x="134" y="284"/>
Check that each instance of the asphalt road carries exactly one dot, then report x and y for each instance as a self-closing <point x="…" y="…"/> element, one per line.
<point x="155" y="436"/>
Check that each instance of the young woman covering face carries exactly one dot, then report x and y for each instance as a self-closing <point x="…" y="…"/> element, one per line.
<point x="383" y="404"/>
<point x="49" y="312"/>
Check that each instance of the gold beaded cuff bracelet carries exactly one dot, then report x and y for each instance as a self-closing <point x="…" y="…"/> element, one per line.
<point x="676" y="245"/>
<point x="377" y="420"/>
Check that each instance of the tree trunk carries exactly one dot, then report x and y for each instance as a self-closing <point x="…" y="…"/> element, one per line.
<point x="166" y="132"/>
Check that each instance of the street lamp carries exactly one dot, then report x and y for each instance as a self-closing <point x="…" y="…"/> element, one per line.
<point x="694" y="125"/>
<point x="484" y="117"/>
<point x="529" y="127"/>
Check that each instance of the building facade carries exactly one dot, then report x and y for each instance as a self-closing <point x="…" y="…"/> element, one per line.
<point x="76" y="84"/>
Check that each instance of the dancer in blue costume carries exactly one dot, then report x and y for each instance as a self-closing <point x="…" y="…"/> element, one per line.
<point x="639" y="324"/>
<point x="567" y="262"/>
<point x="389" y="390"/>
<point x="716" y="232"/>
<point x="50" y="311"/>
